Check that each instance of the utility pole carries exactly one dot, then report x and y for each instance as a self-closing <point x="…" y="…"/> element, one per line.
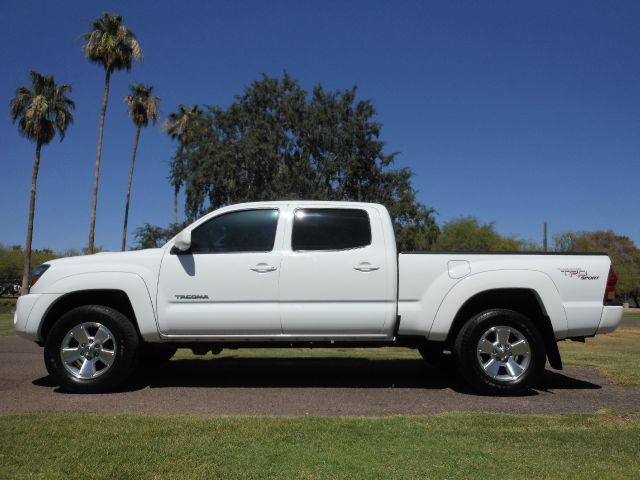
<point x="544" y="241"/>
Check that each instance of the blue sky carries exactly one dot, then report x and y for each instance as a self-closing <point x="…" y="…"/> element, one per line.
<point x="514" y="112"/>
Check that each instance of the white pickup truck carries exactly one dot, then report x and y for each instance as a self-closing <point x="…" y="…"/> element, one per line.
<point x="316" y="274"/>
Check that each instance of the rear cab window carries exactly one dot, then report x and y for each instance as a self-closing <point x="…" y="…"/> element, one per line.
<point x="322" y="229"/>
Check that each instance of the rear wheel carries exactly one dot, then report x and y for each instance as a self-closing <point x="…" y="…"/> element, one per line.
<point x="500" y="352"/>
<point x="91" y="349"/>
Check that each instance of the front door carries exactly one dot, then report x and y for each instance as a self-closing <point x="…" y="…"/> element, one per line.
<point x="227" y="283"/>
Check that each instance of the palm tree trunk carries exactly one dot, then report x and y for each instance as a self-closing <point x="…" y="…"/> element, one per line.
<point x="26" y="271"/>
<point x="96" y="173"/>
<point x="178" y="183"/>
<point x="126" y="206"/>
<point x="176" y="191"/>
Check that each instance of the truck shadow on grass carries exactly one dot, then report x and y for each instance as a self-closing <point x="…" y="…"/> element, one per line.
<point x="317" y="372"/>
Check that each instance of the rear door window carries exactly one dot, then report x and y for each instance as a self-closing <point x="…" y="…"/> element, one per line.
<point x="330" y="229"/>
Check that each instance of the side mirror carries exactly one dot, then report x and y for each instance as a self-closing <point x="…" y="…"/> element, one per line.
<point x="183" y="241"/>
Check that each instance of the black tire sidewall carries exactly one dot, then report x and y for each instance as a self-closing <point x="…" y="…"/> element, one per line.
<point x="465" y="350"/>
<point x="125" y="336"/>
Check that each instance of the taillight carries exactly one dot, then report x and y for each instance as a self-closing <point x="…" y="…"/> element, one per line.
<point x="610" y="291"/>
<point x="37" y="273"/>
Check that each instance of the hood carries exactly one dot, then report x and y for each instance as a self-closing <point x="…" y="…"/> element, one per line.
<point x="144" y="263"/>
<point x="107" y="258"/>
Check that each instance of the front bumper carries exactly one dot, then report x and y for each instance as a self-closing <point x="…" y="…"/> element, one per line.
<point x="30" y="311"/>
<point x="611" y="318"/>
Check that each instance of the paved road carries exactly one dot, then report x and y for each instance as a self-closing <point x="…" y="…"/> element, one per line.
<point x="308" y="386"/>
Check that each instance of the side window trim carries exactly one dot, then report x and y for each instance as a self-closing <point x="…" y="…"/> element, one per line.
<point x="253" y="209"/>
<point x="346" y="249"/>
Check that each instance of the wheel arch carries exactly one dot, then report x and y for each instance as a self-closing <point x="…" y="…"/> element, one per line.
<point x="522" y="300"/>
<point x="123" y="291"/>
<point x="116" y="299"/>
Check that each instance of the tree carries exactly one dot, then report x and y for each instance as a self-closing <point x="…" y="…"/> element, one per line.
<point x="12" y="263"/>
<point x="114" y="47"/>
<point x="41" y="111"/>
<point x="151" y="236"/>
<point x="143" y="106"/>
<point x="179" y="126"/>
<point x="466" y="234"/>
<point x="623" y="252"/>
<point x="277" y="141"/>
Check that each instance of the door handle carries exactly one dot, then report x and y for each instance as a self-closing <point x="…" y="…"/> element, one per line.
<point x="264" y="268"/>
<point x="366" y="267"/>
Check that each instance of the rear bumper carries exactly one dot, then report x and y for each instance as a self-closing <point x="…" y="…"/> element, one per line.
<point x="611" y="318"/>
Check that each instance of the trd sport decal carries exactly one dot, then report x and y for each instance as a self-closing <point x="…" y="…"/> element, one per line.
<point x="578" y="273"/>
<point x="192" y="297"/>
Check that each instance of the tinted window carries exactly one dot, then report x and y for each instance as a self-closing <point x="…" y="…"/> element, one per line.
<point x="330" y="229"/>
<point x="243" y="231"/>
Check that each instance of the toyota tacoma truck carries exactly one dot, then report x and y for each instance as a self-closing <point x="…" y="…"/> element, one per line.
<point x="312" y="274"/>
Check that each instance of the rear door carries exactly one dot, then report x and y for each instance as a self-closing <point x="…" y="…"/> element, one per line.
<point x="335" y="277"/>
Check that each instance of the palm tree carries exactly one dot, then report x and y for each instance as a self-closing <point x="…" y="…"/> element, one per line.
<point x="179" y="126"/>
<point x="112" y="45"/>
<point x="41" y="111"/>
<point x="143" y="106"/>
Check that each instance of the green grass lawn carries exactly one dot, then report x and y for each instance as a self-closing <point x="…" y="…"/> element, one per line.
<point x="633" y="314"/>
<point x="600" y="445"/>
<point x="6" y="324"/>
<point x="8" y="304"/>
<point x="454" y="445"/>
<point x="616" y="354"/>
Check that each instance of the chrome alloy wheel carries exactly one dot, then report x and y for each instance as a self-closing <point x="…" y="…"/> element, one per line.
<point x="504" y="353"/>
<point x="88" y="350"/>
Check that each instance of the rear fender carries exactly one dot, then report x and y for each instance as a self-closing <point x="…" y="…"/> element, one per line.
<point x="535" y="281"/>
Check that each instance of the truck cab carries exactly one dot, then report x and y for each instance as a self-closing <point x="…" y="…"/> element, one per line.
<point x="304" y="271"/>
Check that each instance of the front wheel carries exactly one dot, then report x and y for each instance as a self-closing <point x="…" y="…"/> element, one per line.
<point x="500" y="352"/>
<point x="91" y="349"/>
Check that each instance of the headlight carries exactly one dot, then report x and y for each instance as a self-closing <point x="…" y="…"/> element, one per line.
<point x="37" y="272"/>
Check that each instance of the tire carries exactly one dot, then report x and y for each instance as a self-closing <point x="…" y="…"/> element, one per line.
<point x="155" y="355"/>
<point x="99" y="345"/>
<point x="500" y="352"/>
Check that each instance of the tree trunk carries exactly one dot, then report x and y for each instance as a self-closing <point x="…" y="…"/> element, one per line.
<point x="96" y="172"/>
<point x="178" y="182"/>
<point x="126" y="206"/>
<point x="26" y="272"/>
<point x="176" y="191"/>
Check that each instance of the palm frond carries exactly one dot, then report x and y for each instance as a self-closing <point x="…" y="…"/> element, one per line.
<point x="179" y="124"/>
<point x="111" y="44"/>
<point x="142" y="105"/>
<point x="43" y="109"/>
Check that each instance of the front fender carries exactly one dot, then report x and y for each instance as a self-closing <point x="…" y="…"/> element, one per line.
<point x="130" y="283"/>
<point x="536" y="281"/>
